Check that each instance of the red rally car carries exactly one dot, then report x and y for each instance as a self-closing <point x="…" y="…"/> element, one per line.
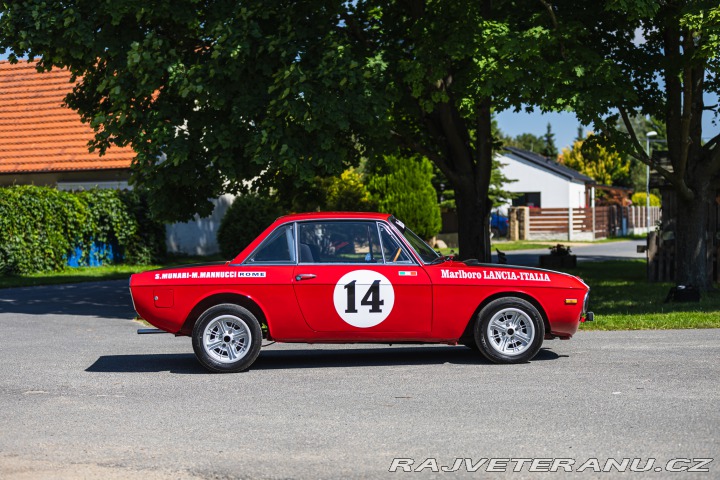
<point x="356" y="278"/>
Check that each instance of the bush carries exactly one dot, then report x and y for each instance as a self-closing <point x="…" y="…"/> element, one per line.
<point x="246" y="218"/>
<point x="403" y="187"/>
<point x="347" y="193"/>
<point x="148" y="242"/>
<point x="638" y="200"/>
<point x="41" y="227"/>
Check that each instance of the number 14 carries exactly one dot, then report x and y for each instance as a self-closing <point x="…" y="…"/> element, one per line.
<point x="371" y="298"/>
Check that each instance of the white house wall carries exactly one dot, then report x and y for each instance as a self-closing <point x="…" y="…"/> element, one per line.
<point x="576" y="198"/>
<point x="198" y="236"/>
<point x="556" y="191"/>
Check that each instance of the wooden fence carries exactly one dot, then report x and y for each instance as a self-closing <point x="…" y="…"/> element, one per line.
<point x="580" y="223"/>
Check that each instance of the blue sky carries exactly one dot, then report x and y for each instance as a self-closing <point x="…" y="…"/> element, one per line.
<point x="565" y="125"/>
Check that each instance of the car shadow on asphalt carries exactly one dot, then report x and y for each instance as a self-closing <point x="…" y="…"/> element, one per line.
<point x="181" y="363"/>
<point x="278" y="359"/>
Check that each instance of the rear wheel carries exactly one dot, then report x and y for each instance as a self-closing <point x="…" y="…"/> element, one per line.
<point x="509" y="330"/>
<point x="227" y="338"/>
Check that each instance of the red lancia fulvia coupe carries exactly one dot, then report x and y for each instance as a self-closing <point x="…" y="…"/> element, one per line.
<point x="356" y="278"/>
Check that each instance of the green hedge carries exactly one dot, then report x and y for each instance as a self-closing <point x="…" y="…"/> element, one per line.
<point x="246" y="218"/>
<point x="40" y="227"/>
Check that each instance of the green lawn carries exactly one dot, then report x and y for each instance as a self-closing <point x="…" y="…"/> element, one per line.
<point x="622" y="299"/>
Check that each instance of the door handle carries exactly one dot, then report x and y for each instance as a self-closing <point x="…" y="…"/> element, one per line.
<point x="305" y="276"/>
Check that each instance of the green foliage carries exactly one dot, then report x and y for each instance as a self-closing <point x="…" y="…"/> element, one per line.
<point x="403" y="187"/>
<point x="641" y="126"/>
<point x="639" y="200"/>
<point x="147" y="243"/>
<point x="496" y="193"/>
<point x="345" y="192"/>
<point x="605" y="165"/>
<point x="526" y="141"/>
<point x="211" y="94"/>
<point x="248" y="216"/>
<point x="667" y="76"/>
<point x="40" y="227"/>
<point x="549" y="149"/>
<point x="348" y="193"/>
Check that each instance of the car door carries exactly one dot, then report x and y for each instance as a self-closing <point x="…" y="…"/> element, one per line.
<point x="267" y="276"/>
<point x="349" y="282"/>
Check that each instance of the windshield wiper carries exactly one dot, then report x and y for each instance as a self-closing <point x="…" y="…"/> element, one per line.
<point x="441" y="259"/>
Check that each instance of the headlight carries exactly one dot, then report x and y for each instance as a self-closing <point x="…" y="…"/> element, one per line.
<point x="586" y="302"/>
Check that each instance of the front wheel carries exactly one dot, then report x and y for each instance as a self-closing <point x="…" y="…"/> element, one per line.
<point x="227" y="338"/>
<point x="509" y="330"/>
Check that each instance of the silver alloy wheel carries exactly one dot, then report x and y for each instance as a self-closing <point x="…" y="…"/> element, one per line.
<point x="227" y="339"/>
<point x="510" y="331"/>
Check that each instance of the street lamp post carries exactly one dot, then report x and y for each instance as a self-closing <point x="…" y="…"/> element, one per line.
<point x="647" y="180"/>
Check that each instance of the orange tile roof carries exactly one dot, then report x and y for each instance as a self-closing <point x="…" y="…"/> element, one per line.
<point x="38" y="133"/>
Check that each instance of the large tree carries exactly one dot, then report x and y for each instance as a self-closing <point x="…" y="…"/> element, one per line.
<point x="213" y="93"/>
<point x="643" y="57"/>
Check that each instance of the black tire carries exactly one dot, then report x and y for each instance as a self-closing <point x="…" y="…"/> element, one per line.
<point x="470" y="344"/>
<point x="227" y="338"/>
<point x="517" y="330"/>
<point x="495" y="232"/>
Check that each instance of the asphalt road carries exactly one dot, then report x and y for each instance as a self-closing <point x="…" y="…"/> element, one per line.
<point x="83" y="396"/>
<point x="590" y="252"/>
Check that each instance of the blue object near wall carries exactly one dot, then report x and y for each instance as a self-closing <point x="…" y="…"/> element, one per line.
<point x="98" y="252"/>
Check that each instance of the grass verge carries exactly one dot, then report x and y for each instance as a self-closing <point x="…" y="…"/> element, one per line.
<point x="622" y="299"/>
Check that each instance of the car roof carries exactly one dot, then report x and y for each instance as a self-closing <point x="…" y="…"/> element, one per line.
<point x="335" y="216"/>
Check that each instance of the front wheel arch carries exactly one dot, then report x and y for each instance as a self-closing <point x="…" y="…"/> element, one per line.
<point x="218" y="299"/>
<point x="469" y="332"/>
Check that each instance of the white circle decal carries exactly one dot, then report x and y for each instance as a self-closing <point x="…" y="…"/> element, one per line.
<point x="364" y="298"/>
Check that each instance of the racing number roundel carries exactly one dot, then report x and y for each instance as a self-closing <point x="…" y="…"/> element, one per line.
<point x="364" y="298"/>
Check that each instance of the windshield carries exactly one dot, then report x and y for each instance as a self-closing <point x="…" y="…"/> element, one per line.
<point x="424" y="251"/>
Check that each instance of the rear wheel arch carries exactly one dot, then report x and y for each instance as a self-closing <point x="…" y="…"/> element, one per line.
<point x="469" y="332"/>
<point x="217" y="299"/>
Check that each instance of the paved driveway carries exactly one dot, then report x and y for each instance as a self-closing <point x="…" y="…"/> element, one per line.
<point x="591" y="252"/>
<point x="82" y="396"/>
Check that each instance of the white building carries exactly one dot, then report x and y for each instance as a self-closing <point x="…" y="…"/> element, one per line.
<point x="541" y="182"/>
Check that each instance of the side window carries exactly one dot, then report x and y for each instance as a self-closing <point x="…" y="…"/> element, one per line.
<point x="338" y="242"/>
<point x="278" y="248"/>
<point x="393" y="251"/>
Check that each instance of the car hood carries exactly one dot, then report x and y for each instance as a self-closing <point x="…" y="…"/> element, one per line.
<point x="493" y="271"/>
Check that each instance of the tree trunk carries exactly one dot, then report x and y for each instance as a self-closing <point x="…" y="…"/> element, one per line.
<point x="691" y="242"/>
<point x="473" y="216"/>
